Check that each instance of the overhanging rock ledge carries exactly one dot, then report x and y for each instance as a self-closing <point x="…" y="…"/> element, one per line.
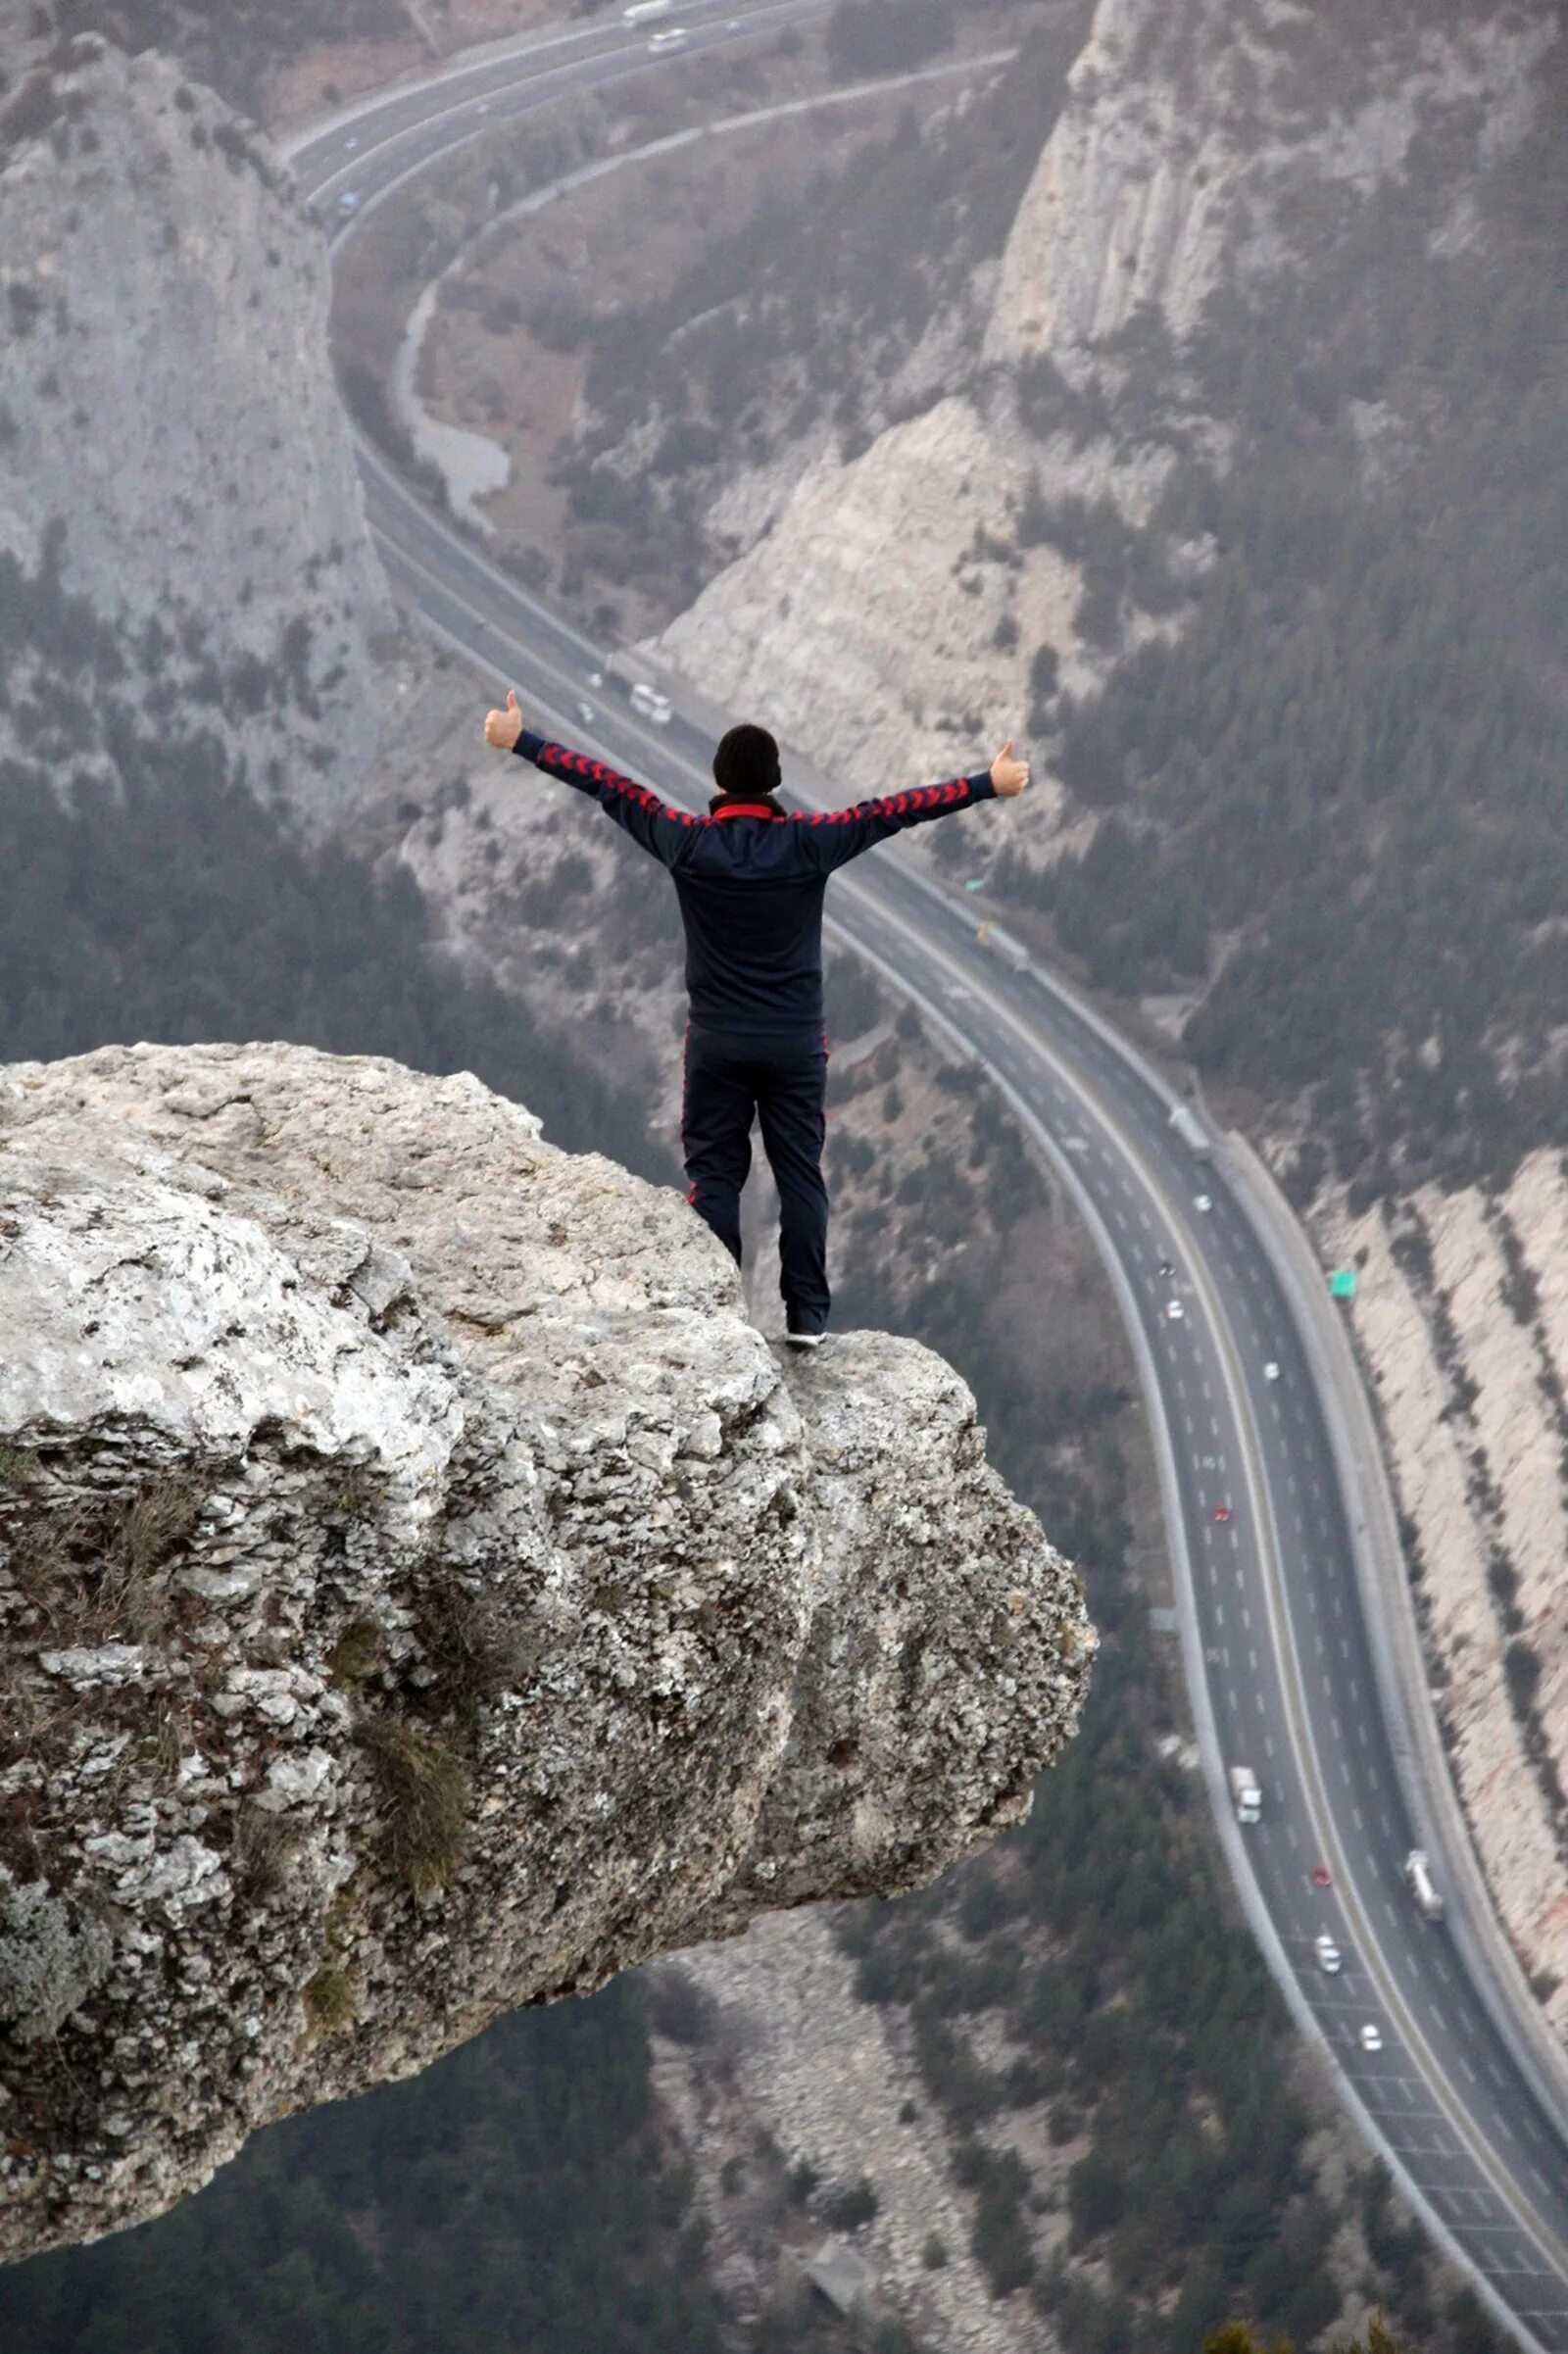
<point x="423" y="1593"/>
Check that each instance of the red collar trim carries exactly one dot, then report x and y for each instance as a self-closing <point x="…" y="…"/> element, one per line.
<point x="746" y="808"/>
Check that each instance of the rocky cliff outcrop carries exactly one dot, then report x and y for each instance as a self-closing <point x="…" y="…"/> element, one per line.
<point x="173" y="450"/>
<point x="423" y="1593"/>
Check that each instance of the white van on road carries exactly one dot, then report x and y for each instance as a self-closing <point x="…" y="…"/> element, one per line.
<point x="1418" y="1880"/>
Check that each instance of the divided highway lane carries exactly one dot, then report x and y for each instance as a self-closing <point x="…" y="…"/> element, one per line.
<point x="371" y="147"/>
<point x="1449" y="2139"/>
<point x="1277" y="1649"/>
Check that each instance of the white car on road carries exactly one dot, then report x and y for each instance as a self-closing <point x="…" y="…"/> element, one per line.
<point x="1271" y="1371"/>
<point x="1174" y="1310"/>
<point x="1370" y="2038"/>
<point x="1203" y="1203"/>
<point x="1328" y="1953"/>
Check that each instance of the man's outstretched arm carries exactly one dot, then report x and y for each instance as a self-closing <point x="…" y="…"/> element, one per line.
<point x="840" y="835"/>
<point x="649" y="821"/>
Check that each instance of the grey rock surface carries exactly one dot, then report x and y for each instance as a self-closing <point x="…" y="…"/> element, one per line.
<point x="173" y="447"/>
<point x="423" y="1593"/>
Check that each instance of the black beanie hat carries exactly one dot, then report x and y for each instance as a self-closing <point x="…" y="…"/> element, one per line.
<point x="746" y="764"/>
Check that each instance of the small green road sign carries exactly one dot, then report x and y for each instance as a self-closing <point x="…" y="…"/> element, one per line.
<point x="1342" y="1283"/>
<point x="976" y="882"/>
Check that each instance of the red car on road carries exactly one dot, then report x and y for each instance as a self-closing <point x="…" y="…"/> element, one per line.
<point x="1222" y="1512"/>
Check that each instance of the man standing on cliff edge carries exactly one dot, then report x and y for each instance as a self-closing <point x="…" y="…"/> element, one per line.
<point x="750" y="878"/>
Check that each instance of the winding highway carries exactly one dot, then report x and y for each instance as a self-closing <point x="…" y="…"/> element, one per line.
<point x="1270" y="1523"/>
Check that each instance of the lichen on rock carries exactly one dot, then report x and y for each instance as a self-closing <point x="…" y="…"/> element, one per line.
<point x="423" y="1593"/>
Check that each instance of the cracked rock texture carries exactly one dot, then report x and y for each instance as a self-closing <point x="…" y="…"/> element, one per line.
<point x="423" y="1593"/>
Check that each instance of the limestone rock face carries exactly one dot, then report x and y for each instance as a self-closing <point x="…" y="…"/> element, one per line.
<point x="902" y="515"/>
<point x="891" y="611"/>
<point x="1194" y="141"/>
<point x="172" y="447"/>
<point x="423" y="1593"/>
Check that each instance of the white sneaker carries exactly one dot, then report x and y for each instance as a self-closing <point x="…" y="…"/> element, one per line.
<point x="804" y="1339"/>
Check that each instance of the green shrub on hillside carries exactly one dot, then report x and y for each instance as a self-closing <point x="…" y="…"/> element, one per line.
<point x="1337" y="791"/>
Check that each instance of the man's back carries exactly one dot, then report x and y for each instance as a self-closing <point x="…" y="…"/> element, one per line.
<point x="751" y="901"/>
<point x="751" y="878"/>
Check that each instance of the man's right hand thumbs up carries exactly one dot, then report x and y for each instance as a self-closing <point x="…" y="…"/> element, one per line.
<point x="1007" y="775"/>
<point x="503" y="728"/>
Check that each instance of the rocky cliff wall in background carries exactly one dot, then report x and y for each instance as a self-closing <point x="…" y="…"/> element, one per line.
<point x="1192" y="151"/>
<point x="421" y="1592"/>
<point x="173" y="447"/>
<point x="1199" y="139"/>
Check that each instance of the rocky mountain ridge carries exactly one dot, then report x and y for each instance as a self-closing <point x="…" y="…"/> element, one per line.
<point x="181" y="525"/>
<point x="421" y="1592"/>
<point x="1185" y="146"/>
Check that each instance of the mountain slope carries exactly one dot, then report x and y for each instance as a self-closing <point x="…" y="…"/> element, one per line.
<point x="174" y="457"/>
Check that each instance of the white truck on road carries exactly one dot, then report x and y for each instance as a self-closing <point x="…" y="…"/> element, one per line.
<point x="1189" y="1128"/>
<point x="1246" y="1794"/>
<point x="643" y="691"/>
<point x="1418" y="1880"/>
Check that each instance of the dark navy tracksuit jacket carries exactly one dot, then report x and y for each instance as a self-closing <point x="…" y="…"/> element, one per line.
<point x="751" y="878"/>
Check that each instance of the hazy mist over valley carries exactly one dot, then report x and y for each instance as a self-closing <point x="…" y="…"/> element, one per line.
<point x="418" y="1664"/>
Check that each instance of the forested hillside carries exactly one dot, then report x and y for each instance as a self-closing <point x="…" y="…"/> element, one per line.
<point x="518" y="2196"/>
<point x="165" y="901"/>
<point x="1337" y="798"/>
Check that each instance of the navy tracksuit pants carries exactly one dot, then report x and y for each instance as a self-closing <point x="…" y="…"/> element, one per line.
<point x="784" y="1083"/>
